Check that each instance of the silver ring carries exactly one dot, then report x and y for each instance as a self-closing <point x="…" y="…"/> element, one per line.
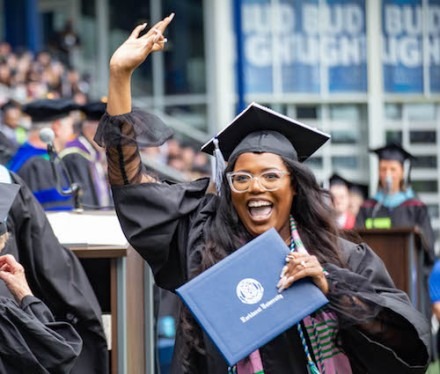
<point x="303" y="263"/>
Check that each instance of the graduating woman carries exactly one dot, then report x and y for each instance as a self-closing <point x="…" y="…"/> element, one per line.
<point x="181" y="230"/>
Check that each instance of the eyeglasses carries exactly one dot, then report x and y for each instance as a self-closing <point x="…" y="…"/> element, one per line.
<point x="269" y="180"/>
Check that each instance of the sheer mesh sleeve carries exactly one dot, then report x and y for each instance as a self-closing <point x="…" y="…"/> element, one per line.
<point x="122" y="135"/>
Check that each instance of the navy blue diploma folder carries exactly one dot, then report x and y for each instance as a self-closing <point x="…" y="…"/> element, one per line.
<point x="237" y="303"/>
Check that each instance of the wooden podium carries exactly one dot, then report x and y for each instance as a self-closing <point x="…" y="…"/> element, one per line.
<point x="402" y="252"/>
<point x="122" y="283"/>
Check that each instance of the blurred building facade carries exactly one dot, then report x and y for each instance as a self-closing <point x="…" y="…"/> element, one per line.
<point x="365" y="71"/>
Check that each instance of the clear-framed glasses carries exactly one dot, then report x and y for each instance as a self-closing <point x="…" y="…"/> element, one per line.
<point x="270" y="180"/>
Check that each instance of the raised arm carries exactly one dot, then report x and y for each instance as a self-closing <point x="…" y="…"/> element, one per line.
<point x="122" y="128"/>
<point x="127" y="58"/>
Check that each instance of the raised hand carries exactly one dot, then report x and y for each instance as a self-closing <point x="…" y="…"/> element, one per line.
<point x="127" y="58"/>
<point x="136" y="48"/>
<point x="12" y="273"/>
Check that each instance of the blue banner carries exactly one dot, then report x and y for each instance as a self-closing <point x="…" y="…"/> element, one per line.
<point x="300" y="68"/>
<point x="257" y="44"/>
<point x="402" y="25"/>
<point x="345" y="46"/>
<point x="434" y="44"/>
<point x="286" y="42"/>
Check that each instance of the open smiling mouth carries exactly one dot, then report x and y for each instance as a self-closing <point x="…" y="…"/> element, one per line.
<point x="260" y="209"/>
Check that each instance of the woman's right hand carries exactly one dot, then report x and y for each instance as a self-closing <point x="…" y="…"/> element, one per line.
<point x="136" y="48"/>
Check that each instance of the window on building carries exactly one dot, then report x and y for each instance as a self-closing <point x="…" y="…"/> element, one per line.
<point x="422" y="137"/>
<point x="393" y="136"/>
<point x="428" y="162"/>
<point x="425" y="185"/>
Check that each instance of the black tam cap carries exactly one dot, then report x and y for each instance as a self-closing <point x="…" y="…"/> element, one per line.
<point x="337" y="180"/>
<point x="8" y="192"/>
<point x="393" y="151"/>
<point x="10" y="104"/>
<point x="359" y="189"/>
<point x="44" y="110"/>
<point x="94" y="110"/>
<point x="260" y="129"/>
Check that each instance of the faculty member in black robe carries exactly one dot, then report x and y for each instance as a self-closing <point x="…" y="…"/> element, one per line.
<point x="181" y="230"/>
<point x="36" y="161"/>
<point x="55" y="276"/>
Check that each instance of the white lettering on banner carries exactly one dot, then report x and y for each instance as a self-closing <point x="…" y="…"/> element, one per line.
<point x="260" y="18"/>
<point x="310" y="17"/>
<point x="403" y="28"/>
<point x="338" y="19"/>
<point x="406" y="51"/>
<point x="335" y="19"/>
<point x="270" y="34"/>
<point x="343" y="51"/>
<point x="434" y="51"/>
<point x="434" y="20"/>
<point x="403" y="20"/>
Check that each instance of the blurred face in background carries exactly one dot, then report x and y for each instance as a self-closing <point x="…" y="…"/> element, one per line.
<point x="11" y="117"/>
<point x="341" y="198"/>
<point x="392" y="170"/>
<point x="356" y="201"/>
<point x="64" y="131"/>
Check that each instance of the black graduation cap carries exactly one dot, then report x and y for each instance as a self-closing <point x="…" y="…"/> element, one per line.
<point x="260" y="129"/>
<point x="359" y="189"/>
<point x="393" y="151"/>
<point x="94" y="110"/>
<point x="8" y="192"/>
<point x="44" y="110"/>
<point x="10" y="104"/>
<point x="337" y="180"/>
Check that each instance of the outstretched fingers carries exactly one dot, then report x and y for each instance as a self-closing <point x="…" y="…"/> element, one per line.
<point x="137" y="30"/>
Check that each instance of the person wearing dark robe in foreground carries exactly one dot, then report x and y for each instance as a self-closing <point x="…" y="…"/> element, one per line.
<point x="32" y="341"/>
<point x="55" y="275"/>
<point x="180" y="230"/>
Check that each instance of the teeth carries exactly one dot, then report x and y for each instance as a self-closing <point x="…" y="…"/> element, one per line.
<point x="256" y="204"/>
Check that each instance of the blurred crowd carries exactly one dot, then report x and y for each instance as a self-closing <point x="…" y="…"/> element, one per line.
<point x="25" y="77"/>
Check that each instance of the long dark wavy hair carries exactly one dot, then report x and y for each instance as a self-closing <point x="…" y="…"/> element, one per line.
<point x="316" y="224"/>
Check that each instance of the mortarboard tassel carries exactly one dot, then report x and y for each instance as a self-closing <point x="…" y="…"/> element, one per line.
<point x="219" y="167"/>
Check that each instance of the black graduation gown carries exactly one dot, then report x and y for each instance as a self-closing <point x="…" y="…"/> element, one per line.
<point x="32" y="341"/>
<point x="38" y="174"/>
<point x="56" y="276"/>
<point x="7" y="149"/>
<point x="79" y="169"/>
<point x="410" y="213"/>
<point x="165" y="224"/>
